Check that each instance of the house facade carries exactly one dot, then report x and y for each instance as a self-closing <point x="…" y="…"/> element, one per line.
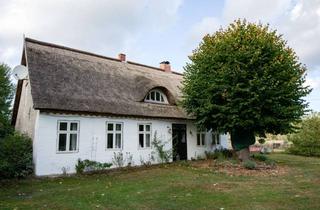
<point x="79" y="105"/>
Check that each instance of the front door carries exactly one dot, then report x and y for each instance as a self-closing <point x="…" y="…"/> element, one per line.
<point x="179" y="141"/>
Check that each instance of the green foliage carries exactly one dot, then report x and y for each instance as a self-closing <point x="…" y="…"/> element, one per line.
<point x="220" y="154"/>
<point x="259" y="157"/>
<point x="89" y="165"/>
<point x="164" y="155"/>
<point x="6" y="96"/>
<point x="245" y="80"/>
<point x="15" y="156"/>
<point x="307" y="140"/>
<point x="270" y="162"/>
<point x="261" y="141"/>
<point x="249" y="164"/>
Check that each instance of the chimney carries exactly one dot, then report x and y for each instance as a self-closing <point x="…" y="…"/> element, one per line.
<point x="165" y="65"/>
<point x="122" y="57"/>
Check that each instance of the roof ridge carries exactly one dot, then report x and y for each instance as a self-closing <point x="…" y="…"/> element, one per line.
<point x="27" y="39"/>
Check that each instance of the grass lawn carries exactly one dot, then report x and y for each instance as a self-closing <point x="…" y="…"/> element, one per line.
<point x="175" y="186"/>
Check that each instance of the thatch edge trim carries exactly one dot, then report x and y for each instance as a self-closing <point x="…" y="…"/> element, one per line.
<point x="102" y="114"/>
<point x="17" y="97"/>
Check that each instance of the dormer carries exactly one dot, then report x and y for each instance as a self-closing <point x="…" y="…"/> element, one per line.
<point x="156" y="96"/>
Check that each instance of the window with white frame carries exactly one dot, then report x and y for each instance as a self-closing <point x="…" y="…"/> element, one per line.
<point x="68" y="136"/>
<point x="114" y="135"/>
<point x="215" y="138"/>
<point x="156" y="96"/>
<point x="144" y="131"/>
<point x="201" y="138"/>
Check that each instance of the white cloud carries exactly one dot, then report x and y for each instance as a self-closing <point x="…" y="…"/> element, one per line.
<point x="302" y="29"/>
<point x="314" y="83"/>
<point x="253" y="10"/>
<point x="99" y="26"/>
<point x="297" y="20"/>
<point x="207" y="25"/>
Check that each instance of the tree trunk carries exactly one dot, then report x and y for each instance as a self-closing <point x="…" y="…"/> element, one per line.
<point x="243" y="154"/>
<point x="241" y="139"/>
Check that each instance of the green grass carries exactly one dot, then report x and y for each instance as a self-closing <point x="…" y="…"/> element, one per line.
<point x="172" y="187"/>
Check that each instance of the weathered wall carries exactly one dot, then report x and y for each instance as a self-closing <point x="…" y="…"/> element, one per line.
<point x="92" y="141"/>
<point x="26" y="116"/>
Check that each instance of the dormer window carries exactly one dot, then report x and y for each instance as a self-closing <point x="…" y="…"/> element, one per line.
<point x="156" y="96"/>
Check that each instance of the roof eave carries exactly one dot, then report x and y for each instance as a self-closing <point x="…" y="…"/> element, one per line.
<point x="19" y="87"/>
<point x="57" y="111"/>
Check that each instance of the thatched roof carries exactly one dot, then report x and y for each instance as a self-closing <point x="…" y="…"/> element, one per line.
<point x="68" y="80"/>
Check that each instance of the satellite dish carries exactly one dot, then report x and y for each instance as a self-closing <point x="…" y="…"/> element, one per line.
<point x="20" y="72"/>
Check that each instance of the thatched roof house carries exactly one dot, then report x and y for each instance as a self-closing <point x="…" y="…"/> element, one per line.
<point x="79" y="105"/>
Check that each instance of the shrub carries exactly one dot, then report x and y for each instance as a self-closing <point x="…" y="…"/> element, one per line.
<point x="249" y="164"/>
<point x="164" y="155"/>
<point x="117" y="159"/>
<point x="270" y="162"/>
<point x="90" y="165"/>
<point x="16" y="156"/>
<point x="307" y="140"/>
<point x="259" y="157"/>
<point x="219" y="154"/>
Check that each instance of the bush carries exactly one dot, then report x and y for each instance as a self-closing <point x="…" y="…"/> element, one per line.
<point x="307" y="140"/>
<point x="164" y="156"/>
<point x="16" y="156"/>
<point x="219" y="154"/>
<point x="249" y="164"/>
<point x="259" y="157"/>
<point x="270" y="162"/>
<point x="89" y="165"/>
<point x="118" y="160"/>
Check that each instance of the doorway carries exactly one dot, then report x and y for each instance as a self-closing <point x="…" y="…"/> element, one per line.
<point x="179" y="141"/>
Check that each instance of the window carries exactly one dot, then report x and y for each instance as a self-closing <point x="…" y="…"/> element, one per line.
<point x="201" y="138"/>
<point x="68" y="135"/>
<point x="215" y="138"/>
<point x="156" y="96"/>
<point x="114" y="135"/>
<point x="144" y="131"/>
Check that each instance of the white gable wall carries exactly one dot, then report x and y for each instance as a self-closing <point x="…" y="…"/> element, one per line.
<point x="92" y="141"/>
<point x="26" y="116"/>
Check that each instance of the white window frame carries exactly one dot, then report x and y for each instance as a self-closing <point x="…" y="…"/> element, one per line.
<point x="162" y="97"/>
<point x="114" y="132"/>
<point x="214" y="136"/>
<point x="203" y="142"/>
<point x="144" y="132"/>
<point x="68" y="132"/>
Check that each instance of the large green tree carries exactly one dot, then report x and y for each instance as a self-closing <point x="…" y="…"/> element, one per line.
<point x="6" y="96"/>
<point x="246" y="81"/>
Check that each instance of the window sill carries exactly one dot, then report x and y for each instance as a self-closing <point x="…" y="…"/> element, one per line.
<point x="66" y="152"/>
<point x="144" y="148"/>
<point x="113" y="149"/>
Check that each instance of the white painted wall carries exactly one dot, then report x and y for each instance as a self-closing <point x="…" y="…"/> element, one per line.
<point x="92" y="141"/>
<point x="26" y="116"/>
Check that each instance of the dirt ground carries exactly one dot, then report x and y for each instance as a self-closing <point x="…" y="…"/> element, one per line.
<point x="235" y="168"/>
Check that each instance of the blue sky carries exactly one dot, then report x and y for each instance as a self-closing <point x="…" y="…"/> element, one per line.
<point x="152" y="31"/>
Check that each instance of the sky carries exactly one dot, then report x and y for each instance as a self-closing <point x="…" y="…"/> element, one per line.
<point x="150" y="31"/>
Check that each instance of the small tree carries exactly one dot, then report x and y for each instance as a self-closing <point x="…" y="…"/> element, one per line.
<point x="246" y="81"/>
<point x="6" y="96"/>
<point x="307" y="140"/>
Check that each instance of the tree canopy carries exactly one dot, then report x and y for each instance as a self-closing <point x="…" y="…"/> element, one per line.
<point x="245" y="80"/>
<point x="6" y="96"/>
